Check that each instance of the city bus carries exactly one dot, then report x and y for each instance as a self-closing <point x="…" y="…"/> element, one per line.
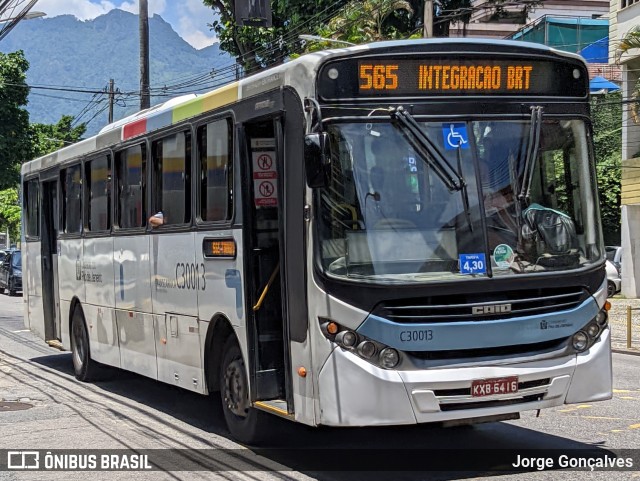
<point x="395" y="233"/>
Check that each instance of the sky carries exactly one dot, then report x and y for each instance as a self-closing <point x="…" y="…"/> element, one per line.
<point x="187" y="17"/>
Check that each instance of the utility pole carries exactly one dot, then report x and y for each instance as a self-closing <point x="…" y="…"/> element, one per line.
<point x="428" y="19"/>
<point x="112" y="96"/>
<point x="145" y="101"/>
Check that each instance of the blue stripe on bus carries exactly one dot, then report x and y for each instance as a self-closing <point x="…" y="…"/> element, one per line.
<point x="475" y="334"/>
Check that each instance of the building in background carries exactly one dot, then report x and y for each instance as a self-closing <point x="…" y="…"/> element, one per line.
<point x="484" y="22"/>
<point x="624" y="16"/>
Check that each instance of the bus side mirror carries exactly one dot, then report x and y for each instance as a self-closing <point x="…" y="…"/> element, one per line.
<point x="317" y="159"/>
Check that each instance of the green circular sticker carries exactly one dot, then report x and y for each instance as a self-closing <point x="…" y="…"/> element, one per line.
<point x="503" y="255"/>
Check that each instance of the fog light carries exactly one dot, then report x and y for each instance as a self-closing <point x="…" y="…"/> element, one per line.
<point x="389" y="358"/>
<point x="367" y="349"/>
<point x="580" y="341"/>
<point x="593" y="330"/>
<point x="347" y="338"/>
<point x="601" y="318"/>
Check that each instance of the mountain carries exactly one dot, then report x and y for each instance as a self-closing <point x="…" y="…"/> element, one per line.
<point x="67" y="53"/>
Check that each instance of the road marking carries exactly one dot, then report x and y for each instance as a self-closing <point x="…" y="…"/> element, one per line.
<point x="601" y="417"/>
<point x="634" y="426"/>
<point x="575" y="408"/>
<point x="627" y="397"/>
<point x="617" y="430"/>
<point x="616" y="391"/>
<point x="21" y="330"/>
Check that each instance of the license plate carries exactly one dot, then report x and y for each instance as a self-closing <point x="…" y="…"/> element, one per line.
<point x="489" y="387"/>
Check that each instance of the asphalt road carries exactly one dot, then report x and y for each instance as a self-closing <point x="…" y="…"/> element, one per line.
<point x="131" y="412"/>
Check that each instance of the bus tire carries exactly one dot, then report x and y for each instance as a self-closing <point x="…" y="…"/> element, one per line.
<point x="246" y="424"/>
<point x="84" y="368"/>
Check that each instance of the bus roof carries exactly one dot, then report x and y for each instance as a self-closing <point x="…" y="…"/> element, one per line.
<point x="298" y="73"/>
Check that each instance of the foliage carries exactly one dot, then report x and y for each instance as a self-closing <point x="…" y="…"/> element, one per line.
<point x="606" y="113"/>
<point x="48" y="138"/>
<point x="370" y="21"/>
<point x="630" y="41"/>
<point x="10" y="212"/>
<point x="258" y="47"/>
<point x="14" y="118"/>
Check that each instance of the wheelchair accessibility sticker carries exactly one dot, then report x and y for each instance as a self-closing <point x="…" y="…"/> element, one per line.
<point x="455" y="136"/>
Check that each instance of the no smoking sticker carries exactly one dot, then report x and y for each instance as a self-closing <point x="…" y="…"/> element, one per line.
<point x="265" y="182"/>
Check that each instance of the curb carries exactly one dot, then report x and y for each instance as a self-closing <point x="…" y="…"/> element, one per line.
<point x="625" y="351"/>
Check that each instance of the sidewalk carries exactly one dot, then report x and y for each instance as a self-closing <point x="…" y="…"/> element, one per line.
<point x="618" y="323"/>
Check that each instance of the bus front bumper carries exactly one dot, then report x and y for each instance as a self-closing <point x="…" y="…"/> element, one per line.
<point x="354" y="392"/>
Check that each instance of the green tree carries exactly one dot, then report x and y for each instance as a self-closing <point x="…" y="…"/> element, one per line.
<point x="47" y="138"/>
<point x="260" y="47"/>
<point x="606" y="113"/>
<point x="10" y="212"/>
<point x="369" y="21"/>
<point x="14" y="118"/>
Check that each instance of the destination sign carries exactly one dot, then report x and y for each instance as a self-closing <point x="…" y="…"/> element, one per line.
<point x="439" y="76"/>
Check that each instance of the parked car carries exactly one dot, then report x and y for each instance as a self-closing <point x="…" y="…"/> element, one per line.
<point x="614" y="254"/>
<point x="614" y="281"/>
<point x="11" y="272"/>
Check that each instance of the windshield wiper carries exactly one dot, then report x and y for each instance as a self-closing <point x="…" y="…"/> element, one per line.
<point x="427" y="149"/>
<point x="431" y="154"/>
<point x="532" y="153"/>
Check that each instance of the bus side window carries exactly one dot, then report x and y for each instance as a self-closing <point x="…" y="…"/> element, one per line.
<point x="72" y="199"/>
<point x="98" y="202"/>
<point x="32" y="208"/>
<point x="131" y="173"/>
<point x="215" y="145"/>
<point x="171" y="179"/>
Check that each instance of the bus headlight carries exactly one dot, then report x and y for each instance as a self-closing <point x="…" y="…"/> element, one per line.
<point x="388" y="358"/>
<point x="367" y="349"/>
<point x="347" y="339"/>
<point x="373" y="351"/>
<point x="602" y="317"/>
<point x="580" y="341"/>
<point x="593" y="330"/>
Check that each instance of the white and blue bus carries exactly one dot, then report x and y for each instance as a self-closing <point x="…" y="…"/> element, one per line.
<point x="396" y="233"/>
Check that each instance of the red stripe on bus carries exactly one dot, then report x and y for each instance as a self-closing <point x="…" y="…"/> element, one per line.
<point x="134" y="128"/>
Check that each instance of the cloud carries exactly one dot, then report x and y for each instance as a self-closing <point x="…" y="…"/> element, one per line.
<point x="154" y="6"/>
<point x="83" y="9"/>
<point x="193" y="19"/>
<point x="189" y="18"/>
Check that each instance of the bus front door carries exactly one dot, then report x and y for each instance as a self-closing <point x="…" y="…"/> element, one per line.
<point x="267" y="331"/>
<point x="49" y="252"/>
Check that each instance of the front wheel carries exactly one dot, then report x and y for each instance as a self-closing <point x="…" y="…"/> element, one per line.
<point x="84" y="368"/>
<point x="246" y="424"/>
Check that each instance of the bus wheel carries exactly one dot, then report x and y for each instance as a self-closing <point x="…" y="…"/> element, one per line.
<point x="84" y="368"/>
<point x="245" y="423"/>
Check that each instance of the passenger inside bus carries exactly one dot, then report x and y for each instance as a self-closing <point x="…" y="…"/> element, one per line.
<point x="156" y="219"/>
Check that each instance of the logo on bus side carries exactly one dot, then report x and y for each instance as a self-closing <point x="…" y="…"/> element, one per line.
<point x="492" y="309"/>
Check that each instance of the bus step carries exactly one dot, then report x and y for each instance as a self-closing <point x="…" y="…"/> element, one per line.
<point x="56" y="344"/>
<point x="275" y="406"/>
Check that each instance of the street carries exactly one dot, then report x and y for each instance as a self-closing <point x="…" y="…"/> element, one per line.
<point x="51" y="410"/>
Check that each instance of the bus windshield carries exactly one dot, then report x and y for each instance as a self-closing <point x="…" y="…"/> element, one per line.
<point x="528" y="202"/>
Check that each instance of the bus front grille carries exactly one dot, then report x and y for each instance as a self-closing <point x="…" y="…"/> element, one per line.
<point x="481" y="306"/>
